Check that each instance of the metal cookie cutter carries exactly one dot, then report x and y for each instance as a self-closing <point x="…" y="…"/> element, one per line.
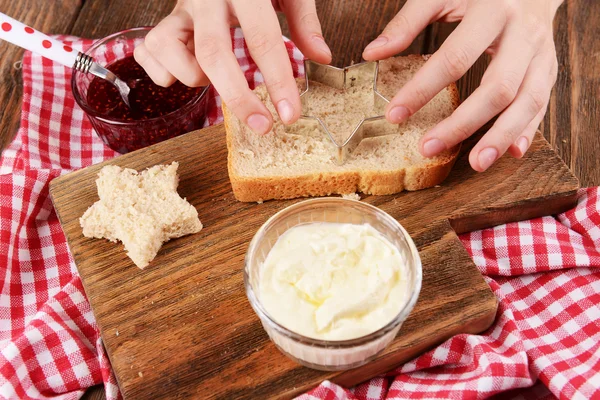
<point x="344" y="78"/>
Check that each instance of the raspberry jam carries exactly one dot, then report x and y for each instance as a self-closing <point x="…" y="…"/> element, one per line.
<point x="147" y="99"/>
<point x="156" y="113"/>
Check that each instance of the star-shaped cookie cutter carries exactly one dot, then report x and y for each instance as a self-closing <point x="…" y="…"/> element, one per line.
<point x="342" y="79"/>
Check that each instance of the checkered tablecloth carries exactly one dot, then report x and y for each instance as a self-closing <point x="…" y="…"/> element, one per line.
<point x="544" y="343"/>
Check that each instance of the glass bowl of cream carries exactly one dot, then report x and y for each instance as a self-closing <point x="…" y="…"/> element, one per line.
<point x="332" y="280"/>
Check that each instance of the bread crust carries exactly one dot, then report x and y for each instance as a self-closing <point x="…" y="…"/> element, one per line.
<point x="258" y="189"/>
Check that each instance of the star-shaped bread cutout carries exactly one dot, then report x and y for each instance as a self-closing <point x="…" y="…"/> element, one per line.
<point x="343" y="113"/>
<point x="348" y="106"/>
<point x="142" y="210"/>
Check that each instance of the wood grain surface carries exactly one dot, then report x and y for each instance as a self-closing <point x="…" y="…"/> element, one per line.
<point x="573" y="119"/>
<point x="190" y="301"/>
<point x="99" y="18"/>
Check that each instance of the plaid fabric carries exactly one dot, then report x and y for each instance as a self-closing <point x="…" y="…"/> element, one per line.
<point x="545" y="339"/>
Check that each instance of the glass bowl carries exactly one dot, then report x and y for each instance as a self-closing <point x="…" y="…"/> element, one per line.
<point x="126" y="136"/>
<point x="331" y="355"/>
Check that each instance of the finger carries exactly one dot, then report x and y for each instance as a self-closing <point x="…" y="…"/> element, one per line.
<point x="155" y="70"/>
<point x="462" y="48"/>
<point x="213" y="52"/>
<point x="167" y="43"/>
<point x="522" y="144"/>
<point x="305" y="29"/>
<point x="531" y="99"/>
<point x="265" y="43"/>
<point x="498" y="89"/>
<point x="400" y="32"/>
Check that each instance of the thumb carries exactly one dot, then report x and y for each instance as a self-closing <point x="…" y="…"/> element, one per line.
<point x="305" y="29"/>
<point x="403" y="28"/>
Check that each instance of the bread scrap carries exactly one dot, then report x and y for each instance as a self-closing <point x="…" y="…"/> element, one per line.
<point x="351" y="196"/>
<point x="283" y="164"/>
<point x="142" y="210"/>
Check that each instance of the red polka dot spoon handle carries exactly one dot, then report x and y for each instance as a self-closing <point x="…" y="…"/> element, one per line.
<point x="28" y="38"/>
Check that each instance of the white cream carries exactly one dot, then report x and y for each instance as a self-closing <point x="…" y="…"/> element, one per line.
<point x="333" y="281"/>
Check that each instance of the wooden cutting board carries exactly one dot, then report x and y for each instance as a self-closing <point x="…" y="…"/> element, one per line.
<point x="183" y="328"/>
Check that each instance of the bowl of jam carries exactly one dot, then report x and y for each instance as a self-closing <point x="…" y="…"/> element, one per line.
<point x="156" y="113"/>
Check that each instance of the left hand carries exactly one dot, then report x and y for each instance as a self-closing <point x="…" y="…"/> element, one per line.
<point x="517" y="83"/>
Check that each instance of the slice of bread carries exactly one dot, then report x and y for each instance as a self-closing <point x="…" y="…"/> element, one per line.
<point x="284" y="165"/>
<point x="142" y="210"/>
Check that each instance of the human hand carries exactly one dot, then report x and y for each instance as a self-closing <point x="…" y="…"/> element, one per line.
<point x="193" y="45"/>
<point x="516" y="84"/>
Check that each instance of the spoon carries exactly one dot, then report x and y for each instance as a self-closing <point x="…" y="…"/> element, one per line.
<point x="28" y="38"/>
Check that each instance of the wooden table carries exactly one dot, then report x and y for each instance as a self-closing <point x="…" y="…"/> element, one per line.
<point x="571" y="124"/>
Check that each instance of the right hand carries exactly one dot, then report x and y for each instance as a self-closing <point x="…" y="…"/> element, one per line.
<point x="193" y="45"/>
<point x="516" y="85"/>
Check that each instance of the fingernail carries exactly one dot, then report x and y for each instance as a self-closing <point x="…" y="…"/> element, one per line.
<point x="380" y="41"/>
<point x="398" y="114"/>
<point x="320" y="44"/>
<point x="433" y="147"/>
<point x="487" y="157"/>
<point x="285" y="111"/>
<point x="258" y="123"/>
<point x="523" y="144"/>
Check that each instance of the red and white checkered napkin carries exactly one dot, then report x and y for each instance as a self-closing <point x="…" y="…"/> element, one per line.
<point x="543" y="271"/>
